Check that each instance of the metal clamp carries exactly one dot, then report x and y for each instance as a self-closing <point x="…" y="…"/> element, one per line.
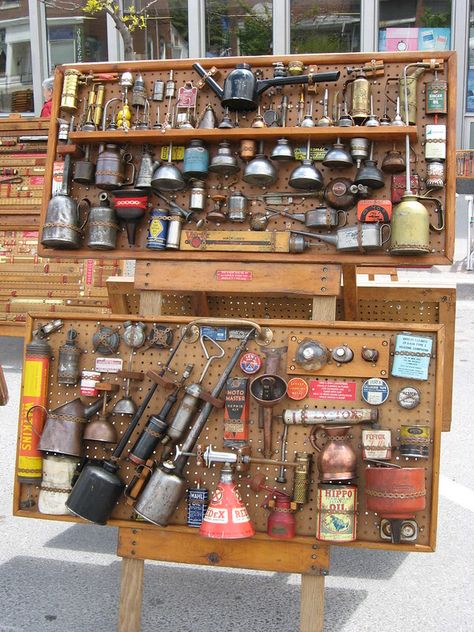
<point x="263" y="337"/>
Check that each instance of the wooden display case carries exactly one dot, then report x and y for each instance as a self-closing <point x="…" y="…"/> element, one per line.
<point x="198" y="241"/>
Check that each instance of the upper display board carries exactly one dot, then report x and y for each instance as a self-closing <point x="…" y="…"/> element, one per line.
<point x="272" y="159"/>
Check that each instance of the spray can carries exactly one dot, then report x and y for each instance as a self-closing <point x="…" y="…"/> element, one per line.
<point x="34" y="393"/>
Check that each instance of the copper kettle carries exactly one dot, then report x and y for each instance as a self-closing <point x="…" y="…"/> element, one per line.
<point x="337" y="460"/>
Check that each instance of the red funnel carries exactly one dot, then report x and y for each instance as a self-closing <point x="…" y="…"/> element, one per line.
<point x="226" y="517"/>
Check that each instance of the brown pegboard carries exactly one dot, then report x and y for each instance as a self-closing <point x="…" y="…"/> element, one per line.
<point x="391" y="416"/>
<point x="441" y="243"/>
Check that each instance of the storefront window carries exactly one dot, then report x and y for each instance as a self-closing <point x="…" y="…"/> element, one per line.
<point x="165" y="35"/>
<point x="328" y="26"/>
<point x="238" y="27"/>
<point x="74" y="36"/>
<point x="16" y="75"/>
<point x="414" y="25"/>
<point x="470" y="66"/>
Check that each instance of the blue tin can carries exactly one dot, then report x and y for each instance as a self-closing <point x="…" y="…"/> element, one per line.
<point x="198" y="500"/>
<point x="157" y="229"/>
<point x="196" y="160"/>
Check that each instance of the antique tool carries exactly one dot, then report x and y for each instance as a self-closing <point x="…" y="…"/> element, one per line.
<point x="71" y="81"/>
<point x="168" y="177"/>
<point x="186" y="105"/>
<point x="102" y="225"/>
<point x="138" y="91"/>
<point x="237" y="207"/>
<point x="283" y="110"/>
<point x="393" y="161"/>
<point x="325" y="120"/>
<point x="196" y="160"/>
<point x="170" y="91"/>
<point x="226" y="516"/>
<point x="208" y="118"/>
<point x="336" y="513"/>
<point x="94" y="108"/>
<point x="130" y="206"/>
<point x="99" y="486"/>
<point x="62" y="227"/>
<point x="145" y="169"/>
<point x="360" y="101"/>
<point x="342" y="193"/>
<point x="105" y="340"/>
<point x="308" y="118"/>
<point x="306" y="176"/>
<point x="345" y="119"/>
<point x="281" y="522"/>
<point x="338" y="157"/>
<point x="395" y="494"/>
<point x="319" y="217"/>
<point x="34" y="397"/>
<point x="260" y="170"/>
<point x="102" y="429"/>
<point x="359" y="150"/>
<point x="156" y="425"/>
<point x="410" y="219"/>
<point x="167" y="485"/>
<point x="68" y="360"/>
<point x="158" y="90"/>
<point x="84" y="170"/>
<point x="242" y="88"/>
<point x="330" y="416"/>
<point x="337" y="460"/>
<point x="224" y="162"/>
<point x="408" y="86"/>
<point x="369" y="174"/>
<point x="112" y="163"/>
<point x="64" y="427"/>
<point x="258" y="121"/>
<point x="311" y="355"/>
<point x="58" y="472"/>
<point x="362" y="237"/>
<point x="177" y="209"/>
<point x="282" y="151"/>
<point x="398" y="121"/>
<point x="126" y="405"/>
<point x="227" y="122"/>
<point x="124" y="115"/>
<point x="268" y="390"/>
<point x="194" y="394"/>
<point x="372" y="120"/>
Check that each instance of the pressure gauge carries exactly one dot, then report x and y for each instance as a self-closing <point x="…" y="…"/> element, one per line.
<point x="134" y="334"/>
<point x="408" y="397"/>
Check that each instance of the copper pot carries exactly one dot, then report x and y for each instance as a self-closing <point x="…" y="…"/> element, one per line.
<point x="337" y="460"/>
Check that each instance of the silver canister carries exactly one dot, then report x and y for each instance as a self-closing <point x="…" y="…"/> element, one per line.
<point x="158" y="90"/>
<point x="237" y="205"/>
<point x="197" y="196"/>
<point x="102" y="226"/>
<point x="174" y="232"/>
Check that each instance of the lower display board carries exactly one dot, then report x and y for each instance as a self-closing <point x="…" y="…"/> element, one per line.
<point x="329" y="431"/>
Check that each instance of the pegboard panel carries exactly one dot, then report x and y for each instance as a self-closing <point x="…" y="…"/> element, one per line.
<point x="200" y="243"/>
<point x="391" y="416"/>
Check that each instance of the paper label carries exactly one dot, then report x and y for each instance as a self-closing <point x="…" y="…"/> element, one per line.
<point x="234" y="275"/>
<point x="412" y="356"/>
<point x="332" y="390"/>
<point x="108" y="365"/>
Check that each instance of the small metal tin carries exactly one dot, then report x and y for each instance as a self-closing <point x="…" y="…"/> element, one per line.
<point x="174" y="232"/>
<point x="375" y="391"/>
<point x="377" y="444"/>
<point x="157" y="229"/>
<point x="198" y="500"/>
<point x="336" y="517"/>
<point x="435" y="174"/>
<point x="250" y="362"/>
<point x="436" y="97"/>
<point x="415" y="441"/>
<point x="408" y="397"/>
<point x="106" y="340"/>
<point x="158" y="90"/>
<point x="297" y="388"/>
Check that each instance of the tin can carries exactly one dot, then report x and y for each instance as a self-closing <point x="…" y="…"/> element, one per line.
<point x="377" y="444"/>
<point x="435" y="174"/>
<point x="158" y="90"/>
<point x="436" y="97"/>
<point x="336" y="518"/>
<point x="198" y="500"/>
<point x="415" y="441"/>
<point x="157" y="229"/>
<point x="435" y="146"/>
<point x="196" y="160"/>
<point x="174" y="232"/>
<point x="236" y="413"/>
<point x="197" y="196"/>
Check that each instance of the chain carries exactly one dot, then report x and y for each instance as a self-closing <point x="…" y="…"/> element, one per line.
<point x="72" y="418"/>
<point x="379" y="494"/>
<point x="57" y="490"/>
<point x="63" y="225"/>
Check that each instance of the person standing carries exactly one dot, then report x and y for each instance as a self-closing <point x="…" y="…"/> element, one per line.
<point x="48" y="97"/>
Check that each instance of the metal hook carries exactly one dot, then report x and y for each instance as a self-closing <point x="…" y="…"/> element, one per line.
<point x="209" y="357"/>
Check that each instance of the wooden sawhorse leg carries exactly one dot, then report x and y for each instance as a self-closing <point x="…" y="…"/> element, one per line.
<point x="312" y="603"/>
<point x="131" y="592"/>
